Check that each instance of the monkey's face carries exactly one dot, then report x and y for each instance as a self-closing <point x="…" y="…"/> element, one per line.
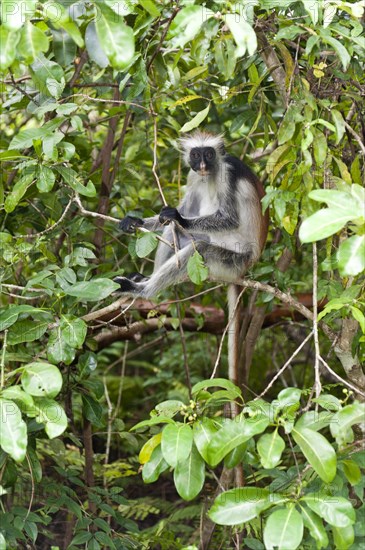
<point x="203" y="160"/>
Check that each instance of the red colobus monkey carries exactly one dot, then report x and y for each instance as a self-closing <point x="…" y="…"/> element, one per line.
<point x="221" y="212"/>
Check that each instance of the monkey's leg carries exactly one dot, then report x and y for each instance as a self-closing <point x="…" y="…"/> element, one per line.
<point x="173" y="271"/>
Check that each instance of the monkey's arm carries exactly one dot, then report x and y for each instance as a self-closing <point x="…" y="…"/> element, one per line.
<point x="219" y="221"/>
<point x="129" y="224"/>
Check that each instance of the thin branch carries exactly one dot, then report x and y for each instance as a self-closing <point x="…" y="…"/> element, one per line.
<point x="279" y="373"/>
<point x="317" y="377"/>
<point x="17" y="287"/>
<point x="356" y="136"/>
<point x="163" y="35"/>
<point x="340" y="379"/>
<point x="113" y="101"/>
<point x="2" y="364"/>
<point x="51" y="228"/>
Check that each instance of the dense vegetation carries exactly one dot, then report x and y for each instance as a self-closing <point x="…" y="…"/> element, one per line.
<point x="95" y="96"/>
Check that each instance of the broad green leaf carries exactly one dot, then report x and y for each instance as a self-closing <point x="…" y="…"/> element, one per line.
<point x="150" y="7"/>
<point x="74" y="330"/>
<point x="339" y="123"/>
<point x="41" y="379"/>
<point x="196" y="121"/>
<point x="46" y="179"/>
<point x="19" y="190"/>
<point x="116" y="38"/>
<point x="169" y="408"/>
<point x="336" y="510"/>
<point x="9" y="41"/>
<point x="283" y="529"/>
<point x="25" y="138"/>
<point x="339" y="49"/>
<point x="343" y="537"/>
<point x="236" y="456"/>
<point x="352" y="471"/>
<point x="203" y="430"/>
<point x="289" y="397"/>
<point x="189" y="475"/>
<point x="240" y="505"/>
<point x="32" y="42"/>
<point x="351" y="256"/>
<point x="35" y="464"/>
<point x="270" y="448"/>
<point x="185" y="25"/>
<point x="15" y="12"/>
<point x="243" y="34"/>
<point x="146" y="244"/>
<point x="176" y="443"/>
<point x="51" y="414"/>
<point x="314" y="420"/>
<point x="314" y="525"/>
<point x="328" y="402"/>
<point x="60" y="18"/>
<point x="154" y="467"/>
<point x="319" y="148"/>
<point x="359" y="316"/>
<point x="148" y="448"/>
<point x="312" y="10"/>
<point x="24" y="400"/>
<point x="10" y="315"/>
<point x="287" y="126"/>
<point x="318" y="451"/>
<point x="197" y="271"/>
<point x="340" y="200"/>
<point x="153" y="421"/>
<point x="93" y="46"/>
<point x="13" y="432"/>
<point x="64" y="47"/>
<point x="92" y="410"/>
<point x="94" y="290"/>
<point x="215" y="383"/>
<point x="234" y="434"/>
<point x="26" y="331"/>
<point x="344" y="419"/>
<point x="323" y="224"/>
<point x="58" y="351"/>
<point x="73" y="179"/>
<point x="2" y="542"/>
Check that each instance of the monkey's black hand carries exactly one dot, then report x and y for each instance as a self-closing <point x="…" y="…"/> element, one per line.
<point x="168" y="214"/>
<point x="129" y="224"/>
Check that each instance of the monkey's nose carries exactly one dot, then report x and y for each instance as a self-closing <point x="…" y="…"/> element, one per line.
<point x="202" y="166"/>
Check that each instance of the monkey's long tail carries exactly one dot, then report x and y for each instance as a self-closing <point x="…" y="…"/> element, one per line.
<point x="233" y="332"/>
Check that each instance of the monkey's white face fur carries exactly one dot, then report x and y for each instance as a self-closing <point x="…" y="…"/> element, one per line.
<point x="201" y="139"/>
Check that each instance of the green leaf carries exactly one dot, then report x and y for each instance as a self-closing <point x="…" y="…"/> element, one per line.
<point x="176" y="443"/>
<point x="25" y="138"/>
<point x="283" y="529"/>
<point x="9" y="41"/>
<point x="341" y="51"/>
<point x="19" y="190"/>
<point x="351" y="256"/>
<point x="197" y="271"/>
<point x="15" y="12"/>
<point x="51" y="414"/>
<point x="146" y="244"/>
<point x="92" y="410"/>
<point x="33" y="41"/>
<point x="319" y="148"/>
<point x="344" y="537"/>
<point x="337" y="510"/>
<point x="185" y="25"/>
<point x="73" y="180"/>
<point x="189" y="475"/>
<point x="323" y="224"/>
<point x="58" y="351"/>
<point x="64" y="47"/>
<point x="195" y="122"/>
<point x="93" y="46"/>
<point x="2" y="542"/>
<point x="13" y="433"/>
<point x="270" y="448"/>
<point x="315" y="526"/>
<point x="26" y="331"/>
<point x="289" y="397"/>
<point x="243" y="34"/>
<point x="233" y="434"/>
<point x="94" y="290"/>
<point x="359" y="316"/>
<point x="46" y="179"/>
<point x="169" y="408"/>
<point x="352" y="472"/>
<point x="150" y="7"/>
<point x="41" y="379"/>
<point x="240" y="505"/>
<point x="154" y="467"/>
<point x="318" y="451"/>
<point x="15" y="393"/>
<point x="340" y="200"/>
<point x="314" y="420"/>
<point x="74" y="330"/>
<point x="60" y="18"/>
<point x="339" y="124"/>
<point x="203" y="431"/>
<point x="344" y="419"/>
<point x="215" y="383"/>
<point x="116" y="38"/>
<point x="10" y="315"/>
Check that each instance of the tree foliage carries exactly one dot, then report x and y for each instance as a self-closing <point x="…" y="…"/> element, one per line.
<point x="95" y="97"/>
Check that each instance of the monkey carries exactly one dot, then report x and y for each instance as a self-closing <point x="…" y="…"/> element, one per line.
<point x="220" y="216"/>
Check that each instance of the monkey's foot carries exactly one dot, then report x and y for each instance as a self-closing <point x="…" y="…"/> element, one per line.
<point x="129" y="283"/>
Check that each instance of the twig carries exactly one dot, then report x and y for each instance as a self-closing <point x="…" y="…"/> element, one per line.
<point x="163" y="35"/>
<point x="340" y="379"/>
<point x="279" y="373"/>
<point x="356" y="136"/>
<point x="32" y="485"/>
<point x="51" y="228"/>
<point x="113" y="101"/>
<point x="17" y="287"/>
<point x="225" y="332"/>
<point x="317" y="376"/>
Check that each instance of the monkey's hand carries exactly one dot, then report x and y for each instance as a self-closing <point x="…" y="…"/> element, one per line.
<point x="129" y="224"/>
<point x="169" y="214"/>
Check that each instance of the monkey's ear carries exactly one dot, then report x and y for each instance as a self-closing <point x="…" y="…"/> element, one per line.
<point x="222" y="150"/>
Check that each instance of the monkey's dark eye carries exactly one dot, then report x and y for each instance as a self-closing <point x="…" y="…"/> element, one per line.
<point x="210" y="155"/>
<point x="195" y="155"/>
